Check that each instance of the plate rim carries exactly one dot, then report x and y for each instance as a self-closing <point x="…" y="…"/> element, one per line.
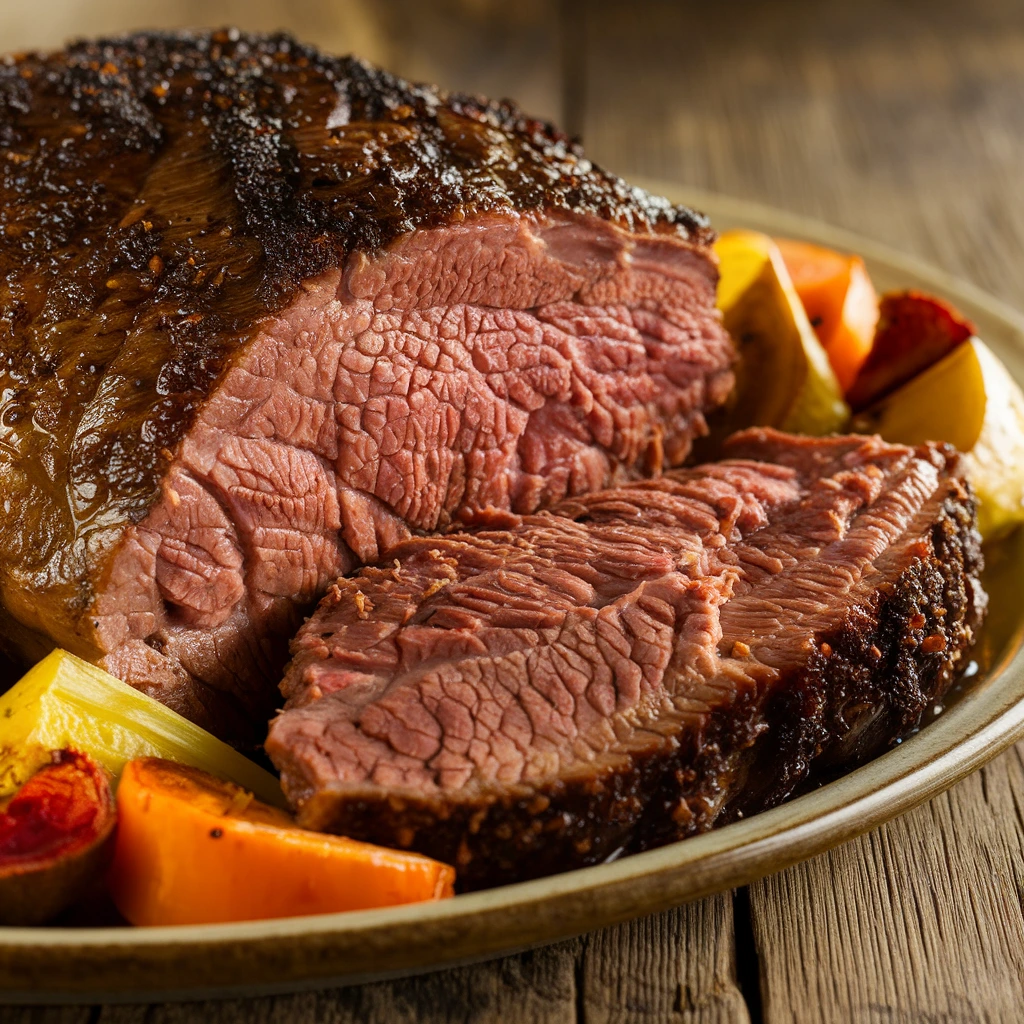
<point x="123" y="963"/>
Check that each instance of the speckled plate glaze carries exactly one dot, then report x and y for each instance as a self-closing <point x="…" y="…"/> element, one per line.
<point x="94" y="964"/>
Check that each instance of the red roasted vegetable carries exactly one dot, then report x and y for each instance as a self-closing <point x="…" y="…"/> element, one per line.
<point x="914" y="331"/>
<point x="55" y="838"/>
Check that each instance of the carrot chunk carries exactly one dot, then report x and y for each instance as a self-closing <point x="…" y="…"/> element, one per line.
<point x="840" y="302"/>
<point x="192" y="849"/>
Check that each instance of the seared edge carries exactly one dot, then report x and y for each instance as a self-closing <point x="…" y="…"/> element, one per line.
<point x="865" y="683"/>
<point x="164" y="194"/>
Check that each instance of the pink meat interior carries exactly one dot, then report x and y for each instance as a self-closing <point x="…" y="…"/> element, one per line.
<point x="504" y="363"/>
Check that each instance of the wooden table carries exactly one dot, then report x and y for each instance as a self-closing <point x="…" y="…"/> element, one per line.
<point x="904" y="124"/>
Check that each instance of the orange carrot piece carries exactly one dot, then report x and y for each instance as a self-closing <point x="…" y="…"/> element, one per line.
<point x="840" y="302"/>
<point x="192" y="849"/>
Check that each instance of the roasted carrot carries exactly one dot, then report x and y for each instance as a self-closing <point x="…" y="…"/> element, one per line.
<point x="192" y="849"/>
<point x="840" y="302"/>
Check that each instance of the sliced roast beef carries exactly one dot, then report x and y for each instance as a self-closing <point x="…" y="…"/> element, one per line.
<point x="263" y="312"/>
<point x="635" y="666"/>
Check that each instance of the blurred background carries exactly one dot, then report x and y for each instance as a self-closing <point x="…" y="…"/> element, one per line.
<point x="904" y="120"/>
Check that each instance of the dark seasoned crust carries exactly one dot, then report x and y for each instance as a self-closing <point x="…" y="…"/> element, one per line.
<point x="161" y="195"/>
<point x="865" y="684"/>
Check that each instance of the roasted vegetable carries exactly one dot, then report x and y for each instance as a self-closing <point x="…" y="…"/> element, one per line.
<point x="192" y="849"/>
<point x="783" y="377"/>
<point x="66" y="702"/>
<point x="55" y="838"/>
<point x="914" y="332"/>
<point x="839" y="300"/>
<point x="968" y="399"/>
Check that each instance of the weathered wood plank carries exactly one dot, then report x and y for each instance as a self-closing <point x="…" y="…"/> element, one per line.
<point x="920" y="920"/>
<point x="46" y="1015"/>
<point x="340" y="26"/>
<point x="491" y="47"/>
<point x="678" y="966"/>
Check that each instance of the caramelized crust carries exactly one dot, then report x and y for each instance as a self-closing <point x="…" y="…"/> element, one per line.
<point x="163" y="195"/>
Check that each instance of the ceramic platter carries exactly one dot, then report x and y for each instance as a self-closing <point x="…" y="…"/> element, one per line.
<point x="94" y="964"/>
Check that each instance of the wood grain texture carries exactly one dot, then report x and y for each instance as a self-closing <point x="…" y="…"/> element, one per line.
<point x="340" y="26"/>
<point x="490" y="47"/>
<point x="903" y="122"/>
<point x="920" y="920"/>
<point x="678" y="966"/>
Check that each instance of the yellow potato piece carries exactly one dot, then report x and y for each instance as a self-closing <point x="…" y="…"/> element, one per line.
<point x="970" y="400"/>
<point x="783" y="377"/>
<point x="66" y="702"/>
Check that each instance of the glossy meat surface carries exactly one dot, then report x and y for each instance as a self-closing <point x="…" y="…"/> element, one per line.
<point x="167" y="198"/>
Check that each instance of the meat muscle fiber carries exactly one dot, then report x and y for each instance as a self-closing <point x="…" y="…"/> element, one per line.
<point x="636" y="665"/>
<point x="265" y="312"/>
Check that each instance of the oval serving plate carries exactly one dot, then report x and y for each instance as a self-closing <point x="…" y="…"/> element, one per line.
<point x="104" y="964"/>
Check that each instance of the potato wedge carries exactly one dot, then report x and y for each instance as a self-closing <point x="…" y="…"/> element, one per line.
<point x="970" y="400"/>
<point x="56" y="837"/>
<point x="66" y="702"/>
<point x="783" y="376"/>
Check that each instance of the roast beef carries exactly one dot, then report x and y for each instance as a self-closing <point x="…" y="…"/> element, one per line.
<point x="635" y="666"/>
<point x="263" y="312"/>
